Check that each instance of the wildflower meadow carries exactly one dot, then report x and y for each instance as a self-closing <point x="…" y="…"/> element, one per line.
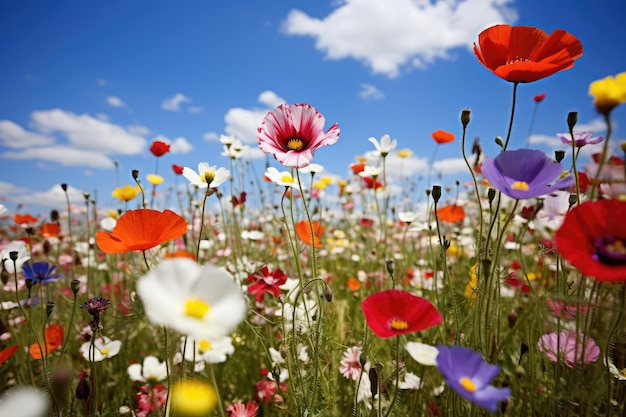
<point x="247" y="295"/>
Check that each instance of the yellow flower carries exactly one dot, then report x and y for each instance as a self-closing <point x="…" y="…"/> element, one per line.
<point x="471" y="289"/>
<point x="193" y="398"/>
<point x="154" y="179"/>
<point x="320" y="185"/>
<point x="327" y="180"/>
<point x="609" y="92"/>
<point x="404" y="153"/>
<point x="126" y="193"/>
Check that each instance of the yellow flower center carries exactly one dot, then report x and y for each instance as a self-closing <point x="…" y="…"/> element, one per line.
<point x="468" y="384"/>
<point x="295" y="144"/>
<point x="104" y="351"/>
<point x="520" y="185"/>
<point x="204" y="345"/>
<point x="287" y="178"/>
<point x="196" y="308"/>
<point x="399" y="324"/>
<point x="208" y="177"/>
<point x="193" y="398"/>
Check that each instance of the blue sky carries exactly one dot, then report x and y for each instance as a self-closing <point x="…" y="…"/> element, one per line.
<point x="84" y="84"/>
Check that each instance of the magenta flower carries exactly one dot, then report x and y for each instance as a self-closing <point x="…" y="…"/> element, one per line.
<point x="292" y="133"/>
<point x="567" y="345"/>
<point x="467" y="374"/>
<point x="580" y="139"/>
<point x="525" y="173"/>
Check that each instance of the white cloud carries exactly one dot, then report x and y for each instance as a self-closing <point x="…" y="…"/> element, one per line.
<point x="7" y="189"/>
<point x="211" y="137"/>
<point x="370" y="92"/>
<point x="596" y="125"/>
<point x="551" y="141"/>
<point x="54" y="197"/>
<point x="450" y="166"/>
<point x="13" y="135"/>
<point x="102" y="82"/>
<point x="253" y="152"/>
<point x="64" y="155"/>
<point x="173" y="103"/>
<point x="115" y="101"/>
<point x="181" y="145"/>
<point x="88" y="133"/>
<point x="243" y="123"/>
<point x="138" y="130"/>
<point x="195" y="109"/>
<point x="387" y="35"/>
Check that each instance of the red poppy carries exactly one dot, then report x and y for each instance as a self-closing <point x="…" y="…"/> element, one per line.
<point x="50" y="230"/>
<point x="524" y="54"/>
<point x="451" y="214"/>
<point x="141" y="229"/>
<point x="178" y="169"/>
<point x="539" y="97"/>
<point x="303" y="230"/>
<point x="265" y="281"/>
<point x="6" y="353"/>
<point x="441" y="136"/>
<point x="353" y="284"/>
<point x="593" y="239"/>
<point x="371" y="183"/>
<point x="54" y="338"/>
<point x="395" y="312"/>
<point x="583" y="183"/>
<point x="159" y="148"/>
<point x="357" y="168"/>
<point x="24" y="219"/>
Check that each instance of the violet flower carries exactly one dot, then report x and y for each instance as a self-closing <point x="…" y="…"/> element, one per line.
<point x="467" y="374"/>
<point x="580" y="139"/>
<point x="525" y="173"/>
<point x="570" y="347"/>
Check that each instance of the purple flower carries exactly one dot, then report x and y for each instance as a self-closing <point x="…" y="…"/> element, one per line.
<point x="580" y="139"/>
<point x="40" y="271"/>
<point x="567" y="345"/>
<point x="525" y="173"/>
<point x="467" y="374"/>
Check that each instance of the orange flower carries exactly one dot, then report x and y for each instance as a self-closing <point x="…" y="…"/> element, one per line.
<point x="354" y="284"/>
<point x="54" y="339"/>
<point x="303" y="230"/>
<point x="180" y="253"/>
<point x="24" y="219"/>
<point x="523" y="54"/>
<point x="441" y="136"/>
<point x="5" y="354"/>
<point x="140" y="230"/>
<point x="451" y="213"/>
<point x="50" y="230"/>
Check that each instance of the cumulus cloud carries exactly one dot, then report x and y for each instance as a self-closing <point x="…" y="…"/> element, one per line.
<point x="13" y="135"/>
<point x="181" y="145"/>
<point x="370" y="92"/>
<point x="541" y="139"/>
<point x="53" y="197"/>
<point x="173" y="103"/>
<point x="195" y="109"/>
<point x="243" y="123"/>
<point x="64" y="155"/>
<point x="114" y="101"/>
<point x="88" y="133"/>
<point x="450" y="166"/>
<point x="386" y="36"/>
<point x="8" y="189"/>
<point x="211" y="137"/>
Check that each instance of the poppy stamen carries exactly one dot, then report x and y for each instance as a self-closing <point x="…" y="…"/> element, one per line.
<point x="399" y="324"/>
<point x="611" y="250"/>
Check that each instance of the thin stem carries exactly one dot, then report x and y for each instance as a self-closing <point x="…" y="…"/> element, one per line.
<point x="508" y="134"/>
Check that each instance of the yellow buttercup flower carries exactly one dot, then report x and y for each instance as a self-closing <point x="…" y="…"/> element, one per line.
<point x="126" y="193"/>
<point x="609" y="92"/>
<point x="327" y="180"/>
<point x="193" y="398"/>
<point x="320" y="185"/>
<point x="154" y="179"/>
<point x="404" y="153"/>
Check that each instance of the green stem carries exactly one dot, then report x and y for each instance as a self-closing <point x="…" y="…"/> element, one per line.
<point x="605" y="148"/>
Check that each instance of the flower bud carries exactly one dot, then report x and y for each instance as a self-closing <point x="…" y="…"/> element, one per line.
<point x="465" y="117"/>
<point x="436" y="193"/>
<point x="572" y="200"/>
<point x="328" y="294"/>
<point x="572" y="119"/>
<point x="135" y="174"/>
<point x="82" y="389"/>
<point x="13" y="255"/>
<point x="49" y="308"/>
<point x="64" y="186"/>
<point x="499" y="142"/>
<point x="491" y="194"/>
<point x="559" y="154"/>
<point x="390" y="266"/>
<point x="29" y="283"/>
<point x="75" y="286"/>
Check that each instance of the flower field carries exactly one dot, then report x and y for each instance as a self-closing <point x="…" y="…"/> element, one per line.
<point x="247" y="296"/>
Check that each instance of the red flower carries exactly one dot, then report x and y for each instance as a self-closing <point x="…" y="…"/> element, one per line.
<point x="593" y="239"/>
<point x="178" y="169"/>
<point x="441" y="136"/>
<point x="451" y="214"/>
<point x="6" y="353"/>
<point x="141" y="229"/>
<point x="357" y="168"/>
<point x="395" y="312"/>
<point x="239" y="201"/>
<point x="54" y="339"/>
<point x="266" y="282"/>
<point x="240" y="409"/>
<point x="24" y="220"/>
<point x="371" y="183"/>
<point x="159" y="148"/>
<point x="50" y="230"/>
<point x="303" y="230"/>
<point x="524" y="54"/>
<point x="539" y="97"/>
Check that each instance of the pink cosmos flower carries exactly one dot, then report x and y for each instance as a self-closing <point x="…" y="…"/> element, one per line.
<point x="350" y="365"/>
<point x="240" y="409"/>
<point x="292" y="133"/>
<point x="572" y="348"/>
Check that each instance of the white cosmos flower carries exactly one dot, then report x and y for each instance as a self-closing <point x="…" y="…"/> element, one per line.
<point x="410" y="381"/>
<point x="23" y="255"/>
<point x="152" y="370"/>
<point x="207" y="175"/>
<point x="203" y="302"/>
<point x="103" y="348"/>
<point x="311" y="169"/>
<point x="407" y="216"/>
<point x="385" y="145"/>
<point x="24" y="401"/>
<point x="422" y="353"/>
<point x="370" y="171"/>
<point x="234" y="150"/>
<point x="227" y="140"/>
<point x="252" y="235"/>
<point x="211" y="351"/>
<point x="281" y="178"/>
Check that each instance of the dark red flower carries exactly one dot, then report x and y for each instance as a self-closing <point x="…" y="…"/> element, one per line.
<point x="178" y="169"/>
<point x="539" y="97"/>
<point x="239" y="201"/>
<point x="524" y="54"/>
<point x="371" y="183"/>
<point x="159" y="148"/>
<point x="265" y="281"/>
<point x="395" y="312"/>
<point x="593" y="239"/>
<point x="6" y="353"/>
